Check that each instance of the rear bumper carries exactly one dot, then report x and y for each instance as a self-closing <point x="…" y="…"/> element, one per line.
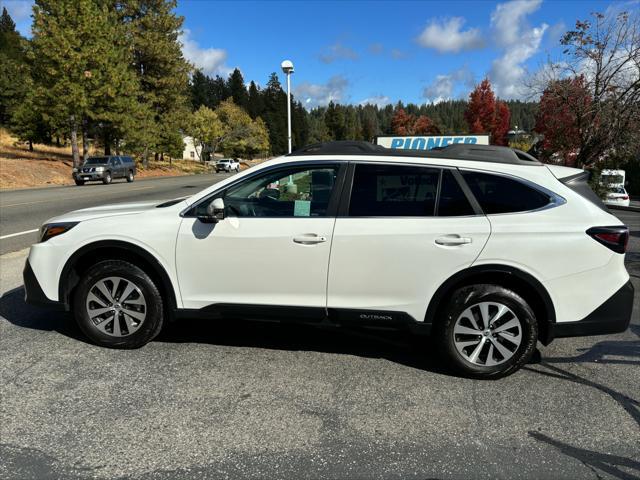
<point x="613" y="316"/>
<point x="33" y="291"/>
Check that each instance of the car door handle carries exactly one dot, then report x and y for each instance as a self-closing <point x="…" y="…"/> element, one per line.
<point x="452" y="240"/>
<point x="309" y="239"/>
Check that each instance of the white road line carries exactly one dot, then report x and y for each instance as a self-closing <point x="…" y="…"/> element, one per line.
<point x="18" y="234"/>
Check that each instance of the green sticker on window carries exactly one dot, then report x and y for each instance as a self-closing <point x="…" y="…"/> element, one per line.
<point x="302" y="208"/>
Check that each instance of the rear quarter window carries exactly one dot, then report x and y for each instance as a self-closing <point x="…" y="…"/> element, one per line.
<point x="499" y="194"/>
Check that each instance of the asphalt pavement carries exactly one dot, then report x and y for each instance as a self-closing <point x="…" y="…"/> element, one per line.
<point x="23" y="211"/>
<point x="235" y="400"/>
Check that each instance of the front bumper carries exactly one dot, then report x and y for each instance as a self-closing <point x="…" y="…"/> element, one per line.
<point x="33" y="291"/>
<point x="87" y="177"/>
<point x="613" y="316"/>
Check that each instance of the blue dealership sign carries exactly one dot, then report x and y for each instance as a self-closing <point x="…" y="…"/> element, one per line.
<point x="427" y="142"/>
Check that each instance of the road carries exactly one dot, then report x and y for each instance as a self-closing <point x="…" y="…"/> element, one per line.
<point x="227" y="400"/>
<point x="25" y="210"/>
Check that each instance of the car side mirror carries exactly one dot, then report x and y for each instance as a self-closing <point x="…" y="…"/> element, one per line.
<point x="215" y="212"/>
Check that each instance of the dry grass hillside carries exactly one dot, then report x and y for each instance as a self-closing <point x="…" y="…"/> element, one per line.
<point x="50" y="165"/>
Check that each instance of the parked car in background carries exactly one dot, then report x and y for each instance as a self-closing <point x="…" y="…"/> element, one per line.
<point x="227" y="165"/>
<point x="617" y="197"/>
<point x="105" y="169"/>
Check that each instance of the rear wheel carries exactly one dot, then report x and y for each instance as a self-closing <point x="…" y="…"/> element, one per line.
<point x="488" y="331"/>
<point x="130" y="176"/>
<point x="107" y="178"/>
<point x="117" y="305"/>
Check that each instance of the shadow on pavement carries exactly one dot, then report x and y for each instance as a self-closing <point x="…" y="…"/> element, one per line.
<point x="611" y="464"/>
<point x="17" y="312"/>
<point x="396" y="346"/>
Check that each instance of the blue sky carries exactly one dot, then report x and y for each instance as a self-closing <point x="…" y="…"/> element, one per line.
<point x="377" y="51"/>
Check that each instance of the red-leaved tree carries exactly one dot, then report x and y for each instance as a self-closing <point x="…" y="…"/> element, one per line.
<point x="485" y="114"/>
<point x="404" y="123"/>
<point x="562" y="118"/>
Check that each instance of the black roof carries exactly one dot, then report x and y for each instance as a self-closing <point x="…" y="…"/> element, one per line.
<point x="458" y="151"/>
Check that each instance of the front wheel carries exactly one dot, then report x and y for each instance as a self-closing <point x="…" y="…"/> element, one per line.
<point x="79" y="182"/>
<point x="117" y="305"/>
<point x="107" y="178"/>
<point x="487" y="331"/>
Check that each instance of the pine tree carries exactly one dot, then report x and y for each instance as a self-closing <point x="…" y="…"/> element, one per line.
<point x="256" y="103"/>
<point x="275" y="114"/>
<point x="161" y="68"/>
<point x="14" y="72"/>
<point x="238" y="89"/>
<point x="82" y="69"/>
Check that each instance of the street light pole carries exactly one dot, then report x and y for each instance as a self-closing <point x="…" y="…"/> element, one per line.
<point x="287" y="68"/>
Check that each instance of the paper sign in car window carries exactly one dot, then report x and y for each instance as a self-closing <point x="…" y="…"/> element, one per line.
<point x="302" y="208"/>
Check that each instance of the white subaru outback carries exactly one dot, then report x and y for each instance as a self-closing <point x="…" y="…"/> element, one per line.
<point x="484" y="247"/>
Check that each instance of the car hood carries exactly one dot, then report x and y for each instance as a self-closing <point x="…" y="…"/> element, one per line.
<point x="89" y="165"/>
<point x="108" y="211"/>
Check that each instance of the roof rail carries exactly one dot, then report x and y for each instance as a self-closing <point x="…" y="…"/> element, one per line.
<point x="458" y="151"/>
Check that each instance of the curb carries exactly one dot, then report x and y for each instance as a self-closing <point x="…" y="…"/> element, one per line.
<point x="628" y="209"/>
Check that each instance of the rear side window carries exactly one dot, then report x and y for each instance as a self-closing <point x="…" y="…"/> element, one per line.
<point x="453" y="202"/>
<point x="393" y="191"/>
<point x="126" y="159"/>
<point x="498" y="194"/>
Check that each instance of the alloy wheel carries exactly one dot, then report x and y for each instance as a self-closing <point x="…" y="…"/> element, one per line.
<point x="116" y="306"/>
<point x="487" y="334"/>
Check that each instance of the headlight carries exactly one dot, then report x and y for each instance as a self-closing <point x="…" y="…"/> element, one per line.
<point x="99" y="169"/>
<point x="50" y="230"/>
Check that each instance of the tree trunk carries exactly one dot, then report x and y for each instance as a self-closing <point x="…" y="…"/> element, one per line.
<point x="85" y="141"/>
<point x="156" y="156"/>
<point x="30" y="146"/>
<point x="162" y="157"/>
<point x="145" y="157"/>
<point x="74" y="142"/>
<point x="57" y="141"/>
<point x="107" y="144"/>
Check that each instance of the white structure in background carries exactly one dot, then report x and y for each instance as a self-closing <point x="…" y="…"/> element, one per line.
<point x="191" y="151"/>
<point x="287" y="68"/>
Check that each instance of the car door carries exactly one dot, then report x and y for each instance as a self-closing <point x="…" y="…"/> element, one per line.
<point x="272" y="248"/>
<point x="403" y="231"/>
<point x="114" y="165"/>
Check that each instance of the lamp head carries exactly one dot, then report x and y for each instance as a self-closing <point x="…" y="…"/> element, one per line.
<point x="287" y="66"/>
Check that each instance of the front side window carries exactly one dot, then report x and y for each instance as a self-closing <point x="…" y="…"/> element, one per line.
<point x="296" y="192"/>
<point x="393" y="191"/>
<point x="498" y="194"/>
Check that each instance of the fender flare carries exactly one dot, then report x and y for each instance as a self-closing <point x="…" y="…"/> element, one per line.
<point x="466" y="275"/>
<point x="67" y="280"/>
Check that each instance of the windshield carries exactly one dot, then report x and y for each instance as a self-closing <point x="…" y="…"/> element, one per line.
<point x="96" y="160"/>
<point x="617" y="190"/>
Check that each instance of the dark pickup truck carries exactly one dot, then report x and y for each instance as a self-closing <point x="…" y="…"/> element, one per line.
<point x="105" y="169"/>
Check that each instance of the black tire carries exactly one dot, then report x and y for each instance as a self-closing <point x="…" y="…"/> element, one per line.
<point x="151" y="325"/>
<point x="107" y="178"/>
<point x="130" y="176"/>
<point x="79" y="182"/>
<point x="466" y="297"/>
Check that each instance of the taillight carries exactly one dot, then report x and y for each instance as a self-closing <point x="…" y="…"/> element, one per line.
<point x="625" y="197"/>
<point x="615" y="238"/>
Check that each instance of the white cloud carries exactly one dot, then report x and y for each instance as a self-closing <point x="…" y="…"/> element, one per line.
<point x="376" y="48"/>
<point x="314" y="94"/>
<point x="448" y="36"/>
<point x="210" y="60"/>
<point x="508" y="18"/>
<point x="519" y="43"/>
<point x="444" y="86"/>
<point x="337" y="51"/>
<point x="379" y="100"/>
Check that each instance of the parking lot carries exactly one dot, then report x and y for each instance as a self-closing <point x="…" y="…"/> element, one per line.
<point x="208" y="400"/>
